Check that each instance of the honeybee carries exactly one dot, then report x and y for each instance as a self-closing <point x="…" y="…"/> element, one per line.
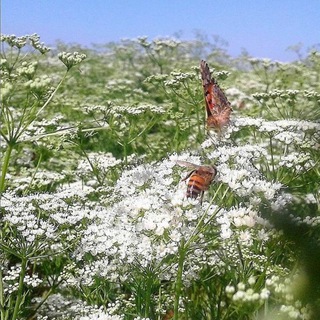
<point x="200" y="178"/>
<point x="217" y="105"/>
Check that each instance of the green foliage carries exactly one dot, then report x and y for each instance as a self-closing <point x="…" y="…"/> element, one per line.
<point x="92" y="218"/>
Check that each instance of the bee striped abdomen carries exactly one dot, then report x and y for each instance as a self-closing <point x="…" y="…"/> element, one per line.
<point x="195" y="186"/>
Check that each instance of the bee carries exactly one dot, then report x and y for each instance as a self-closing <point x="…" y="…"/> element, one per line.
<point x="200" y="178"/>
<point x="217" y="105"/>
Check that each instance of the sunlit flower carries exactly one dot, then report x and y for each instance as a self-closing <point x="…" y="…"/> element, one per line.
<point x="71" y="59"/>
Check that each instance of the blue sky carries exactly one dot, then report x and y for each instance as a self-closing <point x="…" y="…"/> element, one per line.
<point x="265" y="28"/>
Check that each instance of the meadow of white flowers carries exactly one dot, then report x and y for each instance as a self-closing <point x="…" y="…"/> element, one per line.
<point x="95" y="223"/>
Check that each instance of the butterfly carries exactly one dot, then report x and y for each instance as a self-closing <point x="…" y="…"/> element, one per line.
<point x="217" y="105"/>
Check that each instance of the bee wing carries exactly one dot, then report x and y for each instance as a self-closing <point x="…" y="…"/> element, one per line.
<point x="187" y="164"/>
<point x="216" y="100"/>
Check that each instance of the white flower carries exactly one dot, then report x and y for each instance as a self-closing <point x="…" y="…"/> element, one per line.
<point x="225" y="233"/>
<point x="245" y="237"/>
<point x="241" y="286"/>
<point x="264" y="294"/>
<point x="71" y="59"/>
<point x="230" y="289"/>
<point x="310" y="198"/>
<point x="252" y="280"/>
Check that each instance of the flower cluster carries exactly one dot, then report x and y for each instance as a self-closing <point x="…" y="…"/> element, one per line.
<point x="21" y="214"/>
<point x="97" y="162"/>
<point x="71" y="59"/>
<point x="27" y="69"/>
<point x="135" y="110"/>
<point x="157" y="44"/>
<point x="244" y="294"/>
<point x="35" y="41"/>
<point x="39" y="84"/>
<point x="20" y="42"/>
<point x="14" y="41"/>
<point x="178" y="78"/>
<point x="291" y="307"/>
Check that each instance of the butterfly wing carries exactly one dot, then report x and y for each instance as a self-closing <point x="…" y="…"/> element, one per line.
<point x="207" y="87"/>
<point x="217" y="105"/>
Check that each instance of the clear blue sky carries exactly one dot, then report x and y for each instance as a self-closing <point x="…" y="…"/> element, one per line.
<point x="265" y="28"/>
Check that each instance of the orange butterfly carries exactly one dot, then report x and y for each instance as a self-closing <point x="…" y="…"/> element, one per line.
<point x="217" y="105"/>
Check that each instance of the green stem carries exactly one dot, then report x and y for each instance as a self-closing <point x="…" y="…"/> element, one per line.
<point x="266" y="308"/>
<point x="2" y="297"/>
<point x="28" y="119"/>
<point x="148" y="295"/>
<point x="178" y="286"/>
<point x="125" y="155"/>
<point x="159" y="301"/>
<point x="46" y="296"/>
<point x="200" y="224"/>
<point x="34" y="174"/>
<point x="52" y="94"/>
<point x="147" y="127"/>
<point x="272" y="153"/>
<point x="20" y="288"/>
<point x="5" y="166"/>
<point x="93" y="168"/>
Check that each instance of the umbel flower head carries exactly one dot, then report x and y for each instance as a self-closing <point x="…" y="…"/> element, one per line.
<point x="71" y="59"/>
<point x="20" y="42"/>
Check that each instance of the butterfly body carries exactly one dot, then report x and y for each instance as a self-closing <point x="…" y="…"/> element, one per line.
<point x="217" y="105"/>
